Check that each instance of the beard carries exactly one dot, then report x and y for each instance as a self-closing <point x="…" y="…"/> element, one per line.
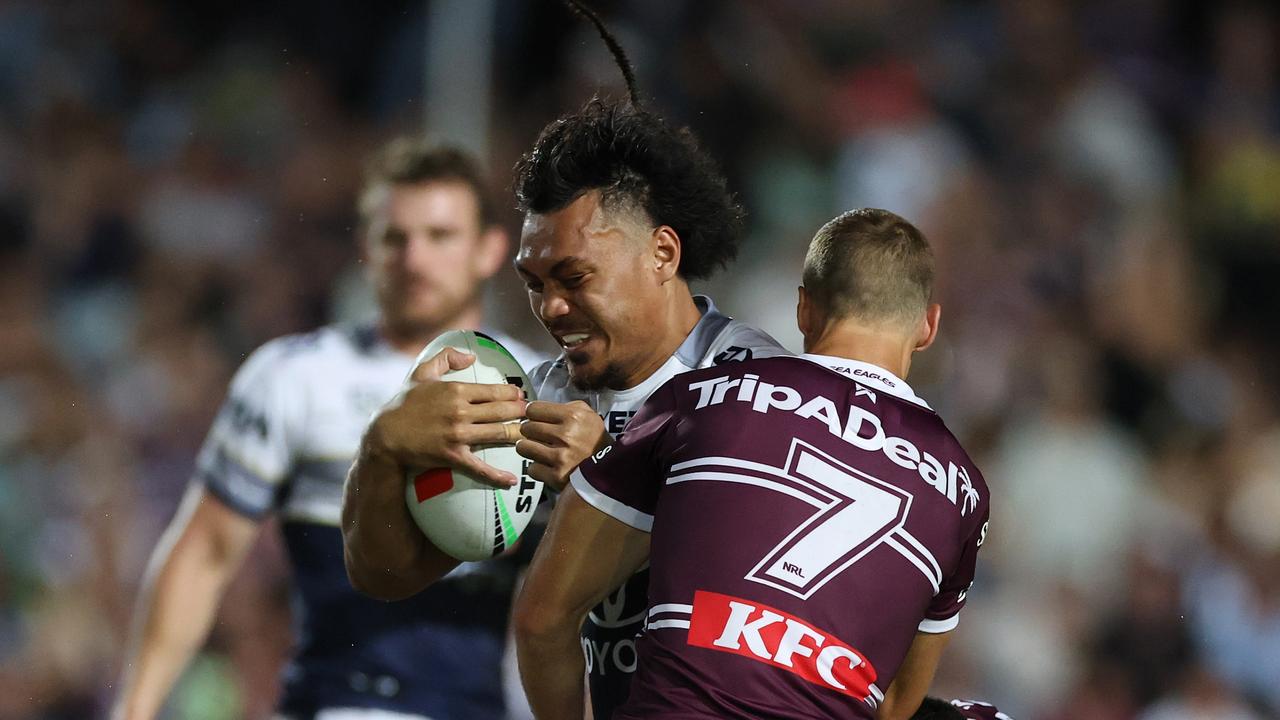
<point x="405" y="317"/>
<point x="612" y="377"/>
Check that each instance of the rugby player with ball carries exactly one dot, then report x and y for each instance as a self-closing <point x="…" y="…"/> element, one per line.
<point x="621" y="212"/>
<point x="810" y="525"/>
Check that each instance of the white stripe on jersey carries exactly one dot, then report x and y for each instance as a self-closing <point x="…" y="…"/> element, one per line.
<point x="665" y="624"/>
<point x="749" y="480"/>
<point x="922" y="550"/>
<point x="669" y="608"/>
<point x="914" y="559"/>
<point x="939" y="626"/>
<point x="618" y="511"/>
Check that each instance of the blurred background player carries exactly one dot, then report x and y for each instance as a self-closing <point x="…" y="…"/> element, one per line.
<point x="812" y="524"/>
<point x="282" y="445"/>
<point x="622" y="211"/>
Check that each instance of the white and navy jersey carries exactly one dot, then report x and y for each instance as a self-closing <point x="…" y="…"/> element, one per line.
<point x="609" y="634"/>
<point x="282" y="444"/>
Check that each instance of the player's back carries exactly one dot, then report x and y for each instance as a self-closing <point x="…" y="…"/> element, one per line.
<point x="806" y="523"/>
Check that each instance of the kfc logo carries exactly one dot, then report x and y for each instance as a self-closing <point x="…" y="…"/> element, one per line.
<point x="759" y="632"/>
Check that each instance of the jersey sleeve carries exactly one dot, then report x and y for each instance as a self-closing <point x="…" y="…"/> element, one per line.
<point x="943" y="614"/>
<point x="249" y="450"/>
<point x="623" y="479"/>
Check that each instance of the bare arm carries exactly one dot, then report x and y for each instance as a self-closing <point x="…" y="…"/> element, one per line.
<point x="387" y="557"/>
<point x="430" y="424"/>
<point x="584" y="555"/>
<point x="189" y="571"/>
<point x="910" y="685"/>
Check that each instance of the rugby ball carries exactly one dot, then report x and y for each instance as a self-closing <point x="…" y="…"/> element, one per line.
<point x="462" y="516"/>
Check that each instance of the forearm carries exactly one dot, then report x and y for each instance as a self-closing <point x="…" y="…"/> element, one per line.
<point x="903" y="698"/>
<point x="386" y="555"/>
<point x="915" y="675"/>
<point x="896" y="708"/>
<point x="174" y="617"/>
<point x="551" y="669"/>
<point x="583" y="556"/>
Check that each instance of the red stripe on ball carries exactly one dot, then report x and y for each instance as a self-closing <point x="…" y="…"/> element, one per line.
<point x="433" y="482"/>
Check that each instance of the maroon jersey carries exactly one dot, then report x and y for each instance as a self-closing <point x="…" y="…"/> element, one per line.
<point x="808" y="517"/>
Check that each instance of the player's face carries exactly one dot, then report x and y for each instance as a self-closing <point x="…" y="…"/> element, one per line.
<point x="592" y="285"/>
<point x="428" y="255"/>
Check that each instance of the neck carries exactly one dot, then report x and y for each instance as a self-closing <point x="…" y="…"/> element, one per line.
<point x="680" y="315"/>
<point x="875" y="345"/>
<point x="410" y="339"/>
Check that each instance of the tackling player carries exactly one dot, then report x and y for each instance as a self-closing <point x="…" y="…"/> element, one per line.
<point x="621" y="212"/>
<point x="812" y="526"/>
<point x="282" y="445"/>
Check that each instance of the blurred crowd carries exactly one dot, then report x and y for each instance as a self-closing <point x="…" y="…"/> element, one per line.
<point x="1100" y="180"/>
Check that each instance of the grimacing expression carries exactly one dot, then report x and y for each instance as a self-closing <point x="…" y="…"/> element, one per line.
<point x="589" y="283"/>
<point x="428" y="254"/>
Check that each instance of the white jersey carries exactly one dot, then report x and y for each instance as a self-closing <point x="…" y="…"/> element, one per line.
<point x="282" y="444"/>
<point x="609" y="634"/>
<point x="717" y="338"/>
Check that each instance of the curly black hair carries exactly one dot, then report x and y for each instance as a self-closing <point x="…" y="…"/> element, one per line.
<point x="638" y="162"/>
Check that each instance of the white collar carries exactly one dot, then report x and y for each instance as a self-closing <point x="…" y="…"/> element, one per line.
<point x="868" y="374"/>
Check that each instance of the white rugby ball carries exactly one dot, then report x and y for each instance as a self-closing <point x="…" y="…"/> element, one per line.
<point x="462" y="516"/>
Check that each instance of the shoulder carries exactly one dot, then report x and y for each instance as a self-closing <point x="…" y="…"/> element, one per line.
<point x="740" y="341"/>
<point x="688" y="390"/>
<point x="973" y="494"/>
<point x="289" y="358"/>
<point x="718" y="338"/>
<point x="959" y="449"/>
<point x="737" y="341"/>
<point x="783" y="368"/>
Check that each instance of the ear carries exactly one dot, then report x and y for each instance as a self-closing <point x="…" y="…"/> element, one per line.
<point x="666" y="253"/>
<point x="928" y="329"/>
<point x="492" y="251"/>
<point x="803" y="308"/>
